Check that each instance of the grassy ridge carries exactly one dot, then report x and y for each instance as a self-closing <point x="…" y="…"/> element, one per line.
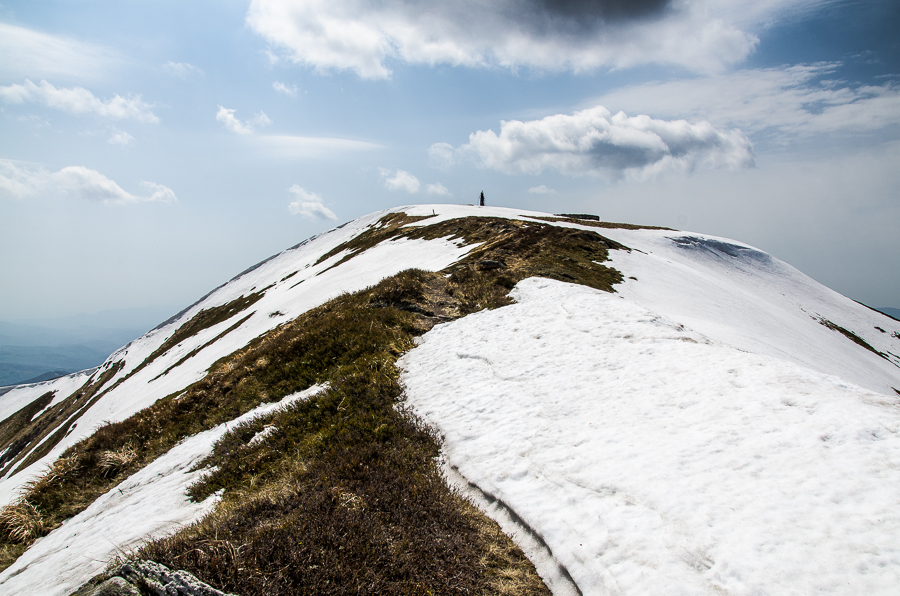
<point x="342" y="494"/>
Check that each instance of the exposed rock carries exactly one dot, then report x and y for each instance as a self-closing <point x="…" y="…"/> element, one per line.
<point x="488" y="264"/>
<point x="153" y="577"/>
<point x="114" y="586"/>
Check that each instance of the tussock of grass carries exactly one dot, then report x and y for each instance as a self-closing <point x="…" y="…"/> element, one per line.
<point x="110" y="462"/>
<point x="20" y="521"/>
<point x="341" y="493"/>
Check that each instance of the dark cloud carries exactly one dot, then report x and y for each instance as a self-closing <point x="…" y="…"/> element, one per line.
<point x="606" y="10"/>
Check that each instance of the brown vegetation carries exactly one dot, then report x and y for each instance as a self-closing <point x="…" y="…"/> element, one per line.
<point x="341" y="493"/>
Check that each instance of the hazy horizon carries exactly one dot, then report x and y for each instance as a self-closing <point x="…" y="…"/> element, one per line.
<point x="152" y="151"/>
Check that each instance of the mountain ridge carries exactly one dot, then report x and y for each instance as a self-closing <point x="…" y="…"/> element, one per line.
<point x="785" y="315"/>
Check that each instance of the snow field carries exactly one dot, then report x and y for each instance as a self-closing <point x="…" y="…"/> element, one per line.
<point x="652" y="460"/>
<point x="311" y="286"/>
<point x="681" y="437"/>
<point x="149" y="504"/>
<point x="15" y="399"/>
<point x="755" y="303"/>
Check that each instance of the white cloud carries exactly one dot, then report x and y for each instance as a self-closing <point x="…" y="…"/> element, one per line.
<point x="158" y="192"/>
<point x="785" y="101"/>
<point x="542" y="190"/>
<point x="28" y="53"/>
<point x="297" y="147"/>
<point x="182" y="70"/>
<point x="78" y="100"/>
<point x="700" y="35"/>
<point x="245" y="127"/>
<point x="34" y="120"/>
<point x="308" y="204"/>
<point x="440" y="155"/>
<point x="20" y="180"/>
<point x="596" y="142"/>
<point x="121" y="138"/>
<point x="438" y="189"/>
<point x="401" y="180"/>
<point x="291" y="91"/>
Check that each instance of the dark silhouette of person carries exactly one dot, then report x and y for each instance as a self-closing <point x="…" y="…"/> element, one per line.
<point x="481" y="203"/>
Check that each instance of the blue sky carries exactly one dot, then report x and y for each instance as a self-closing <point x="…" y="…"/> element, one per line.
<point x="151" y="150"/>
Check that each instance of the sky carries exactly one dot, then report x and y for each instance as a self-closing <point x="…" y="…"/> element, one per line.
<point x="149" y="151"/>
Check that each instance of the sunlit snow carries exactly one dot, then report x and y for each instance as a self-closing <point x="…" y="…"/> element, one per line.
<point x="150" y="503"/>
<point x="697" y="432"/>
<point x="652" y="460"/>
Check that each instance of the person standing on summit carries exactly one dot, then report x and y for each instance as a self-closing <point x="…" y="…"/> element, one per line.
<point x="481" y="200"/>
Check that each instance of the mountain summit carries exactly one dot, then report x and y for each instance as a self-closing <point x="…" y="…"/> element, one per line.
<point x="642" y="410"/>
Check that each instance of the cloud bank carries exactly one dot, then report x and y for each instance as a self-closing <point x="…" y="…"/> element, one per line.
<point x="78" y="100"/>
<point x="787" y="101"/>
<point x="576" y="35"/>
<point x="22" y="181"/>
<point x="308" y="204"/>
<point x="596" y="142"/>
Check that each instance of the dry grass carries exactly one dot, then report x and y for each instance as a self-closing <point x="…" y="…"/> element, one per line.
<point x="20" y="521"/>
<point x="342" y="493"/>
<point x="109" y="462"/>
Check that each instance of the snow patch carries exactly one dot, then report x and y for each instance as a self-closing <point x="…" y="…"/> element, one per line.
<point x="651" y="459"/>
<point x="149" y="504"/>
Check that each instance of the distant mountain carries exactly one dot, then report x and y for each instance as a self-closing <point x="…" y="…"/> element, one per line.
<point x="892" y="312"/>
<point x="16" y="374"/>
<point x="47" y="376"/>
<point x="33" y="348"/>
<point x="643" y="410"/>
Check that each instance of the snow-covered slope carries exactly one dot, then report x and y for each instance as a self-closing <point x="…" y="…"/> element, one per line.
<point x="284" y="297"/>
<point x="716" y="426"/>
<point x="743" y="297"/>
<point x="653" y="460"/>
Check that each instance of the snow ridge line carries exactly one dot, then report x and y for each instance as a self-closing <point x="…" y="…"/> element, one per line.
<point x="552" y="571"/>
